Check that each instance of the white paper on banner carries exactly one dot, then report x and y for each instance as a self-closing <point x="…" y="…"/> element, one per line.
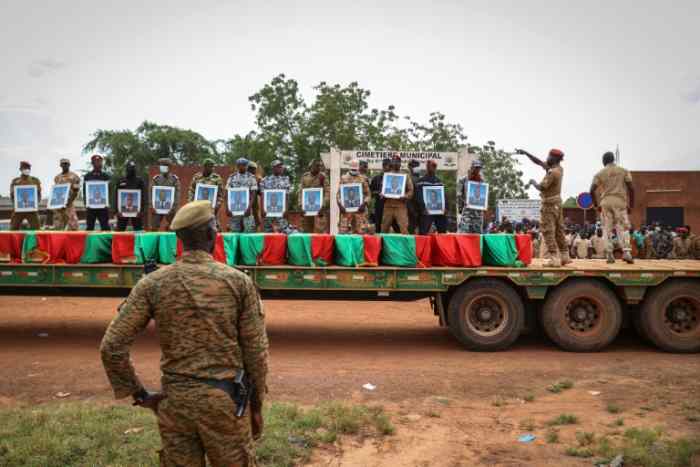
<point x="519" y="209"/>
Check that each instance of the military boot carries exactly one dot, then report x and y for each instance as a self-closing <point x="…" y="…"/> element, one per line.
<point x="627" y="257"/>
<point x="609" y="257"/>
<point x="565" y="258"/>
<point x="553" y="261"/>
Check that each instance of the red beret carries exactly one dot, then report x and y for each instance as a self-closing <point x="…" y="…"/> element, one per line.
<point x="24" y="164"/>
<point x="95" y="157"/>
<point x="557" y="153"/>
<point x="681" y="230"/>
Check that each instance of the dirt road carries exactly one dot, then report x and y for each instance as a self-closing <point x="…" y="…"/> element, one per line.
<point x="451" y="407"/>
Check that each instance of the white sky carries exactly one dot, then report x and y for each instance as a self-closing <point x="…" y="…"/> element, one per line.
<point x="582" y="76"/>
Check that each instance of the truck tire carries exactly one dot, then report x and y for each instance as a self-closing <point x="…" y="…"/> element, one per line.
<point x="670" y="317"/>
<point x="582" y="316"/>
<point x="486" y="315"/>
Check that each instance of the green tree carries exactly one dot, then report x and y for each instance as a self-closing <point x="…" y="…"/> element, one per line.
<point x="570" y="202"/>
<point x="501" y="171"/>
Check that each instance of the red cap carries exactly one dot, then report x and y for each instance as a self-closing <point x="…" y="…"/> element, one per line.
<point x="95" y="157"/>
<point x="557" y="153"/>
<point x="681" y="230"/>
<point x="24" y="164"/>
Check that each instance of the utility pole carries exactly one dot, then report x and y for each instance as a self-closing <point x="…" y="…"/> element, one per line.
<point x="617" y="155"/>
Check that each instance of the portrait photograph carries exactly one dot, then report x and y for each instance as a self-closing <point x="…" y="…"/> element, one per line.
<point x="58" y="196"/>
<point x="26" y="198"/>
<point x="434" y="199"/>
<point x="312" y="201"/>
<point x="128" y="202"/>
<point x="351" y="196"/>
<point x="162" y="198"/>
<point x="96" y="194"/>
<point x="477" y="195"/>
<point x="393" y="185"/>
<point x="206" y="192"/>
<point x="274" y="202"/>
<point x="238" y="200"/>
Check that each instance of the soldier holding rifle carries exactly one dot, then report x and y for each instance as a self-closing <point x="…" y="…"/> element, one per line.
<point x="212" y="331"/>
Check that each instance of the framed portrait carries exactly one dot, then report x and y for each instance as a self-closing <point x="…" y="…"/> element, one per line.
<point x="351" y="196"/>
<point x="434" y="199"/>
<point x="238" y="200"/>
<point x="274" y="202"/>
<point x="129" y="203"/>
<point x="162" y="199"/>
<point x="96" y="194"/>
<point x="311" y="201"/>
<point x="207" y="192"/>
<point x="477" y="195"/>
<point x="393" y="185"/>
<point x="26" y="198"/>
<point x="58" y="196"/>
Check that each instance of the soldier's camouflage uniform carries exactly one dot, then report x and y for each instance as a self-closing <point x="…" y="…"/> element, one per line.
<point x="663" y="244"/>
<point x="210" y="323"/>
<point x="31" y="217"/>
<point x="275" y="182"/>
<point x="67" y="217"/>
<point x="237" y="180"/>
<point x="551" y="215"/>
<point x="470" y="220"/>
<point x="681" y="248"/>
<point x="355" y="222"/>
<point x="612" y="183"/>
<point x="695" y="246"/>
<point x="162" y="221"/>
<point x="396" y="209"/>
<point x="319" y="222"/>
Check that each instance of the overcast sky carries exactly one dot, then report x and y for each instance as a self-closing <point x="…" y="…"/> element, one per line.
<point x="582" y="76"/>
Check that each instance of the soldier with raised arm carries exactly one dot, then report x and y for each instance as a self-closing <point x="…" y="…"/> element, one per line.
<point x="211" y="326"/>
<point x="613" y="196"/>
<point x="551" y="214"/>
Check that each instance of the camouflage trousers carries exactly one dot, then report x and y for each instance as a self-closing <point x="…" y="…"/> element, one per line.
<point x="242" y="224"/>
<point x="18" y="217"/>
<point x="161" y="222"/>
<point x="552" y="227"/>
<point x="393" y="213"/>
<point x="275" y="225"/>
<point x="471" y="221"/>
<point x="197" y="421"/>
<point x="353" y="222"/>
<point x="613" y="217"/>
<point x="65" y="217"/>
<point x="315" y="224"/>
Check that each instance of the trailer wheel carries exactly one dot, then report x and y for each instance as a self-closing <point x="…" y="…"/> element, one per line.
<point x="486" y="314"/>
<point x="582" y="316"/>
<point x="670" y="317"/>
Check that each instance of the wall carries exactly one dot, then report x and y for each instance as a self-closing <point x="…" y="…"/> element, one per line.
<point x="667" y="189"/>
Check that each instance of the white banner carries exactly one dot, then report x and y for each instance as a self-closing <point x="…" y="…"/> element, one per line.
<point x="518" y="209"/>
<point x="445" y="160"/>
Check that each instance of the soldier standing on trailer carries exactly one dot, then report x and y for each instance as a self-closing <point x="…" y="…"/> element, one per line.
<point x="551" y="215"/>
<point x="99" y="214"/>
<point x="276" y="181"/>
<point x="375" y="187"/>
<point x="395" y="208"/>
<point x="316" y="178"/>
<point x="242" y="179"/>
<point x="615" y="203"/>
<point x="471" y="220"/>
<point x="165" y="178"/>
<point x="211" y="326"/>
<point x="427" y="220"/>
<point x="254" y="221"/>
<point x="131" y="182"/>
<point x="414" y="207"/>
<point x="66" y="216"/>
<point x="25" y="179"/>
<point x="354" y="222"/>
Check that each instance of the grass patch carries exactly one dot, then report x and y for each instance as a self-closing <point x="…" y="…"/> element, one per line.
<point x="527" y="425"/>
<point x="529" y="397"/>
<point x="560" y="386"/>
<point x="649" y="448"/>
<point x="79" y="434"/>
<point x="499" y="402"/>
<point x="563" y="419"/>
<point x="579" y="452"/>
<point x="613" y="408"/>
<point x="552" y="436"/>
<point x="619" y="422"/>
<point x="585" y="438"/>
<point x="693" y="418"/>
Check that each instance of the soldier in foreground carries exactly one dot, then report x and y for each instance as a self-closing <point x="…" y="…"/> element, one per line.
<point x="25" y="179"/>
<point x="615" y="201"/>
<point x="66" y="216"/>
<point x="551" y="216"/>
<point x="211" y="326"/>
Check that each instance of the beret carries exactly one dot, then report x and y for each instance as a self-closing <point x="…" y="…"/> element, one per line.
<point x="208" y="160"/>
<point x="252" y="164"/>
<point x="64" y="161"/>
<point x="95" y="157"/>
<point x="557" y="153"/>
<point x="24" y="164"/>
<point x="192" y="214"/>
<point x="277" y="162"/>
<point x="242" y="161"/>
<point x="476" y="163"/>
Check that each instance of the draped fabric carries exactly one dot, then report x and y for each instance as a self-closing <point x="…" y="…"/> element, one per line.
<point x="499" y="250"/>
<point x="457" y="250"/>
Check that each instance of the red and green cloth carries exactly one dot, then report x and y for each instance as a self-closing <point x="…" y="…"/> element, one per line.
<point x="357" y="250"/>
<point x="408" y="251"/>
<point x="305" y="249"/>
<point x="11" y="246"/>
<point x="506" y="250"/>
<point x="262" y="249"/>
<point x="53" y="247"/>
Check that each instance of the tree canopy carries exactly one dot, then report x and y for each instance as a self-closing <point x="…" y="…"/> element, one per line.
<point x="297" y="131"/>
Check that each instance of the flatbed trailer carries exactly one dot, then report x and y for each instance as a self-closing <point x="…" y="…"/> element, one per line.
<point x="581" y="307"/>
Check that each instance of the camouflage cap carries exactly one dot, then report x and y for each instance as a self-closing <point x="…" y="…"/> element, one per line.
<point x="192" y="214"/>
<point x="252" y="164"/>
